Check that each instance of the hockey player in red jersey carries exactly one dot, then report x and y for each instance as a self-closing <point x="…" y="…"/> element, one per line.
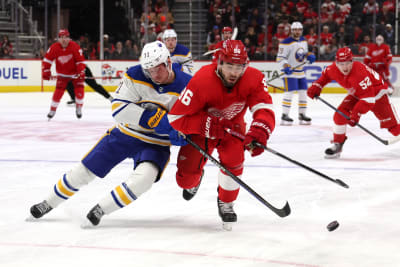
<point x="379" y="58"/>
<point x="217" y="98"/>
<point x="226" y="35"/>
<point x="70" y="65"/>
<point x="367" y="91"/>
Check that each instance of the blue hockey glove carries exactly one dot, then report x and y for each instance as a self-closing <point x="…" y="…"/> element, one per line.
<point x="287" y="69"/>
<point x="176" y="138"/>
<point x="157" y="120"/>
<point x="311" y="58"/>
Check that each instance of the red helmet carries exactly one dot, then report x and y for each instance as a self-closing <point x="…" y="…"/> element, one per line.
<point x="227" y="29"/>
<point x="233" y="51"/>
<point x="344" y="54"/>
<point x="63" y="32"/>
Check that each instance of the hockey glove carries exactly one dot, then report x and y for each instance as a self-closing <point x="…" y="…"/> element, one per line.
<point x="176" y="138"/>
<point x="81" y="75"/>
<point x="354" y="119"/>
<point x="311" y="58"/>
<point x="259" y="132"/>
<point x="287" y="69"/>
<point x="314" y="90"/>
<point x="46" y="74"/>
<point x="214" y="128"/>
<point x="155" y="119"/>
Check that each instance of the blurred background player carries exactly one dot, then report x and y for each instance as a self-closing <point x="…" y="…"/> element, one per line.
<point x="70" y="66"/>
<point x="143" y="133"/>
<point x="217" y="97"/>
<point x="179" y="53"/>
<point x="92" y="83"/>
<point x="292" y="52"/>
<point x="226" y="35"/>
<point x="379" y="58"/>
<point x="367" y="91"/>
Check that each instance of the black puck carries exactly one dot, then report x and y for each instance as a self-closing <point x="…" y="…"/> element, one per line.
<point x="332" y="226"/>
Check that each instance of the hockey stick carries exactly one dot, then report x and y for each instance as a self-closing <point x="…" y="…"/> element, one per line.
<point x="336" y="181"/>
<point x="385" y="142"/>
<point x="86" y="78"/>
<point x="234" y="35"/>
<point x="280" y="75"/>
<point x="283" y="212"/>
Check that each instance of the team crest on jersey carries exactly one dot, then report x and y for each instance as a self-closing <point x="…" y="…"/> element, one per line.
<point x="64" y="59"/>
<point x="229" y="112"/>
<point x="300" y="54"/>
<point x="160" y="89"/>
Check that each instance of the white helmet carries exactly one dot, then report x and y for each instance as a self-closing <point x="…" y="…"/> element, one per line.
<point x="296" y="25"/>
<point x="169" y="33"/>
<point x="153" y="54"/>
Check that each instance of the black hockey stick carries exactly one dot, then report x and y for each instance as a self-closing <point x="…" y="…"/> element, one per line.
<point x="385" y="142"/>
<point x="283" y="212"/>
<point x="336" y="181"/>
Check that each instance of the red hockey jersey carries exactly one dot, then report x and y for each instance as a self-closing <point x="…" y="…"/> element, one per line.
<point x="69" y="61"/>
<point x="362" y="82"/>
<point x="206" y="94"/>
<point x="378" y="56"/>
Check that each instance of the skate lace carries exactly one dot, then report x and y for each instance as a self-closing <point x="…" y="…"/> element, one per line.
<point x="43" y="207"/>
<point x="225" y="207"/>
<point x="98" y="212"/>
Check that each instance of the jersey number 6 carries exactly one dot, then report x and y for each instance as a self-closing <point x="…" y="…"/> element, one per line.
<point x="186" y="97"/>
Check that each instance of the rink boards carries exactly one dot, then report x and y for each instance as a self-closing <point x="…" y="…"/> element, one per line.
<point x="25" y="75"/>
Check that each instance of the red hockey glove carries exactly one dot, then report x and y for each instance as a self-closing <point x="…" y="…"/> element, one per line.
<point x="259" y="132"/>
<point x="314" y="90"/>
<point x="81" y="75"/>
<point x="214" y="128"/>
<point x="354" y="119"/>
<point x="46" y="74"/>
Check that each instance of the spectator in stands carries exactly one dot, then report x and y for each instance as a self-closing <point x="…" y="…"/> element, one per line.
<point x="344" y="7"/>
<point x="363" y="47"/>
<point x="330" y="6"/>
<point x="250" y="48"/>
<point x="310" y="17"/>
<point x="388" y="35"/>
<point x="341" y="37"/>
<point x="386" y="16"/>
<point x="107" y="46"/>
<point x="280" y="33"/>
<point x="312" y="38"/>
<point x="211" y="35"/>
<point x="302" y="6"/>
<point x="118" y="52"/>
<point x="5" y="43"/>
<point x="251" y="34"/>
<point x="326" y="39"/>
<point x="370" y="7"/>
<point x="165" y="17"/>
<point x="130" y="50"/>
<point x="390" y="5"/>
<point x="6" y="53"/>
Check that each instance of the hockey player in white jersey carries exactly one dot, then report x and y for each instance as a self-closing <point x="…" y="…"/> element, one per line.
<point x="142" y="132"/>
<point x="179" y="53"/>
<point x="292" y="52"/>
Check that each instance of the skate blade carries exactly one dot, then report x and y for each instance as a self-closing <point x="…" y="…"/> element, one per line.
<point x="285" y="123"/>
<point x="227" y="226"/>
<point x="87" y="225"/>
<point x="305" y="122"/>
<point x="332" y="156"/>
<point x="30" y="218"/>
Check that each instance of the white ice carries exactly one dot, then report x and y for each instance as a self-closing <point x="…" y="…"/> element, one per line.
<point x="162" y="229"/>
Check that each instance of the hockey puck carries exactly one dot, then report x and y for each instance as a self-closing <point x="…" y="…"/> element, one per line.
<point x="332" y="226"/>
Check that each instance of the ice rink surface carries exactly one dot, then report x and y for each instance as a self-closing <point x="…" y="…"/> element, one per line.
<point x="162" y="229"/>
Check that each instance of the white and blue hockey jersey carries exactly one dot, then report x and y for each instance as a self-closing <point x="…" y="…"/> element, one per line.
<point x="183" y="56"/>
<point x="135" y="93"/>
<point x="293" y="52"/>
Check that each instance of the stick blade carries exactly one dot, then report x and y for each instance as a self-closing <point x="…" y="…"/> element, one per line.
<point x="283" y="212"/>
<point x="341" y="183"/>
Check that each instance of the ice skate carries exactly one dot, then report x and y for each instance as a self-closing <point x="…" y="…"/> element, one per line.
<point x="304" y="120"/>
<point x="78" y="112"/>
<point x="40" y="209"/>
<point x="188" y="194"/>
<point x="71" y="102"/>
<point x="95" y="214"/>
<point x="334" y="151"/>
<point x="286" y="120"/>
<point x="227" y="214"/>
<point x="51" y="114"/>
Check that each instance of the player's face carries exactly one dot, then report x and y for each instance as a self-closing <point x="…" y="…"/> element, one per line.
<point x="231" y="73"/>
<point x="159" y="74"/>
<point x="296" y="33"/>
<point x="227" y="35"/>
<point x="170" y="43"/>
<point x="64" y="40"/>
<point x="345" y="67"/>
